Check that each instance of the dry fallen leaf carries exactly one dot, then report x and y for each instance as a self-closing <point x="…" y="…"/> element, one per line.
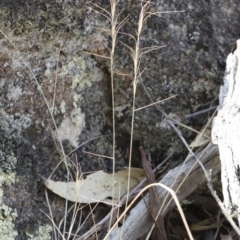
<point x="97" y="186"/>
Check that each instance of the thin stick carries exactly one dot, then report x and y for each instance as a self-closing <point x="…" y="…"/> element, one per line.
<point x="50" y="210"/>
<point x="98" y="155"/>
<point x="200" y="112"/>
<point x="86" y="143"/>
<point x="155" y="103"/>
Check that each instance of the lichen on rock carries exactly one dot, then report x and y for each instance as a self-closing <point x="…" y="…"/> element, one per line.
<point x="7" y="176"/>
<point x="59" y="41"/>
<point x="70" y="129"/>
<point x="42" y="233"/>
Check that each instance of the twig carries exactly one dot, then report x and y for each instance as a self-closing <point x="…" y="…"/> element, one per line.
<point x="155" y="103"/>
<point x="200" y="112"/>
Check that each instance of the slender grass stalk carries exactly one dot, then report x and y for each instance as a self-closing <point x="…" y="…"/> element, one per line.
<point x="137" y="53"/>
<point x="51" y="215"/>
<point x="113" y="31"/>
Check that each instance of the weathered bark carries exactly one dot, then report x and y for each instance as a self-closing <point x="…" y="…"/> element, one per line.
<point x="226" y="132"/>
<point x="139" y="221"/>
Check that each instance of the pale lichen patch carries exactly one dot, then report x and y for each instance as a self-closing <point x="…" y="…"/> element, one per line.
<point x="14" y="124"/>
<point x="78" y="117"/>
<point x="43" y="233"/>
<point x="70" y="129"/>
<point x="14" y="93"/>
<point x="83" y="73"/>
<point x="81" y="81"/>
<point x="63" y="107"/>
<point x="119" y="109"/>
<point x="8" y="214"/>
<point x="86" y="72"/>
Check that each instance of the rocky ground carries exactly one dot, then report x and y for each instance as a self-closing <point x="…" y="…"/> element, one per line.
<point x="43" y="50"/>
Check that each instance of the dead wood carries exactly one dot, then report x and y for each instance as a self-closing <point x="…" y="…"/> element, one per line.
<point x="154" y="203"/>
<point x="226" y="133"/>
<point x="186" y="178"/>
<point x="128" y="197"/>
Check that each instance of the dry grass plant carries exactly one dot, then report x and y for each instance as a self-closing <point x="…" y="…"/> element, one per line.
<point x="136" y="53"/>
